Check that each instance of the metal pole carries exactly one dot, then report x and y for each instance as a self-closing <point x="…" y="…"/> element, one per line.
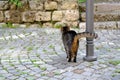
<point x="90" y="28"/>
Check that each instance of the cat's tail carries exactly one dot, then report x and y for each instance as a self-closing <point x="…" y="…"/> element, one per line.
<point x="85" y="34"/>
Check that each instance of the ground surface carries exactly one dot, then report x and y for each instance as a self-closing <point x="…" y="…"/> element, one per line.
<point x="38" y="54"/>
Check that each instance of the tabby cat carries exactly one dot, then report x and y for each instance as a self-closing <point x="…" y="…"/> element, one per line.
<point x="71" y="41"/>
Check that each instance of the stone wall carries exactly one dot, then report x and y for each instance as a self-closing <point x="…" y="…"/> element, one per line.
<point x="44" y="12"/>
<point x="97" y="1"/>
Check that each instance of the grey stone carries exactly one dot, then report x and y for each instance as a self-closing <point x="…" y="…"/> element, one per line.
<point x="8" y="75"/>
<point x="20" y="78"/>
<point x="116" y="77"/>
<point x="68" y="74"/>
<point x="12" y="77"/>
<point x="118" y="25"/>
<point x="58" y="68"/>
<point x="3" y="72"/>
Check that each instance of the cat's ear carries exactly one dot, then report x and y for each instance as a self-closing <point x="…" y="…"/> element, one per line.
<point x="68" y="28"/>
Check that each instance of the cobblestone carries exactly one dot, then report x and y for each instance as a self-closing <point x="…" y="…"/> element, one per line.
<point x="38" y="54"/>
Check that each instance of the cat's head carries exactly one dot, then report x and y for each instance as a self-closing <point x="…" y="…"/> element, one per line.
<point x="65" y="29"/>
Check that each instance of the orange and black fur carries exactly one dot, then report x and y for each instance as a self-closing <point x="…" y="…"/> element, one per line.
<point x="71" y="41"/>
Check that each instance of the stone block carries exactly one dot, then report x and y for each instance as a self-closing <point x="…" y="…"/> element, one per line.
<point x="1" y="16"/>
<point x="2" y="25"/>
<point x="59" y="24"/>
<point x="118" y="25"/>
<point x="100" y="25"/>
<point x="83" y="16"/>
<point x="67" y="23"/>
<point x="71" y="15"/>
<point x="57" y="16"/>
<point x="50" y="5"/>
<point x="43" y="16"/>
<point x="107" y="16"/>
<point x="13" y="16"/>
<point x="47" y="24"/>
<point x="110" y="1"/>
<point x="69" y="5"/>
<point x="4" y="5"/>
<point x="73" y="24"/>
<point x="28" y="16"/>
<point x="106" y="7"/>
<point x="103" y="7"/>
<point x="25" y="6"/>
<point x="105" y="25"/>
<point x="13" y="6"/>
<point x="36" y="5"/>
<point x="34" y="25"/>
<point x="103" y="16"/>
<point x="82" y="25"/>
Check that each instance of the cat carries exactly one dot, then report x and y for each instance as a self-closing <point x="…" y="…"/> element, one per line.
<point x="71" y="41"/>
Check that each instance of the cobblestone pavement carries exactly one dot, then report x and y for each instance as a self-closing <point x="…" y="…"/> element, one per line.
<point x="38" y="54"/>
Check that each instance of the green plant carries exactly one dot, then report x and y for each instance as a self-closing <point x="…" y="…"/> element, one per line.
<point x="81" y="1"/>
<point x="51" y="46"/>
<point x="11" y="64"/>
<point x="30" y="48"/>
<point x="16" y="2"/>
<point x="38" y="55"/>
<point x="36" y="65"/>
<point x="31" y="78"/>
<point x="113" y="75"/>
<point x="44" y="50"/>
<point x="22" y="73"/>
<point x="2" y="77"/>
<point x="43" y="68"/>
<point x="58" y="26"/>
<point x="5" y="69"/>
<point x="11" y="48"/>
<point x="117" y="71"/>
<point x="114" y="62"/>
<point x="43" y="74"/>
<point x="8" y="25"/>
<point x="33" y="61"/>
<point x="57" y="73"/>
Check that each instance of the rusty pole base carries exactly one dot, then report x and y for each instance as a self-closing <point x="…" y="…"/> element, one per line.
<point x="90" y="58"/>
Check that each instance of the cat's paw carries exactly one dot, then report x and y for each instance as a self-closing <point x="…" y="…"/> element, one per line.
<point x="69" y="60"/>
<point x="75" y="61"/>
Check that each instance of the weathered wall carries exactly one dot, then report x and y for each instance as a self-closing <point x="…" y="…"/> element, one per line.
<point x="43" y="12"/>
<point x="106" y="1"/>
